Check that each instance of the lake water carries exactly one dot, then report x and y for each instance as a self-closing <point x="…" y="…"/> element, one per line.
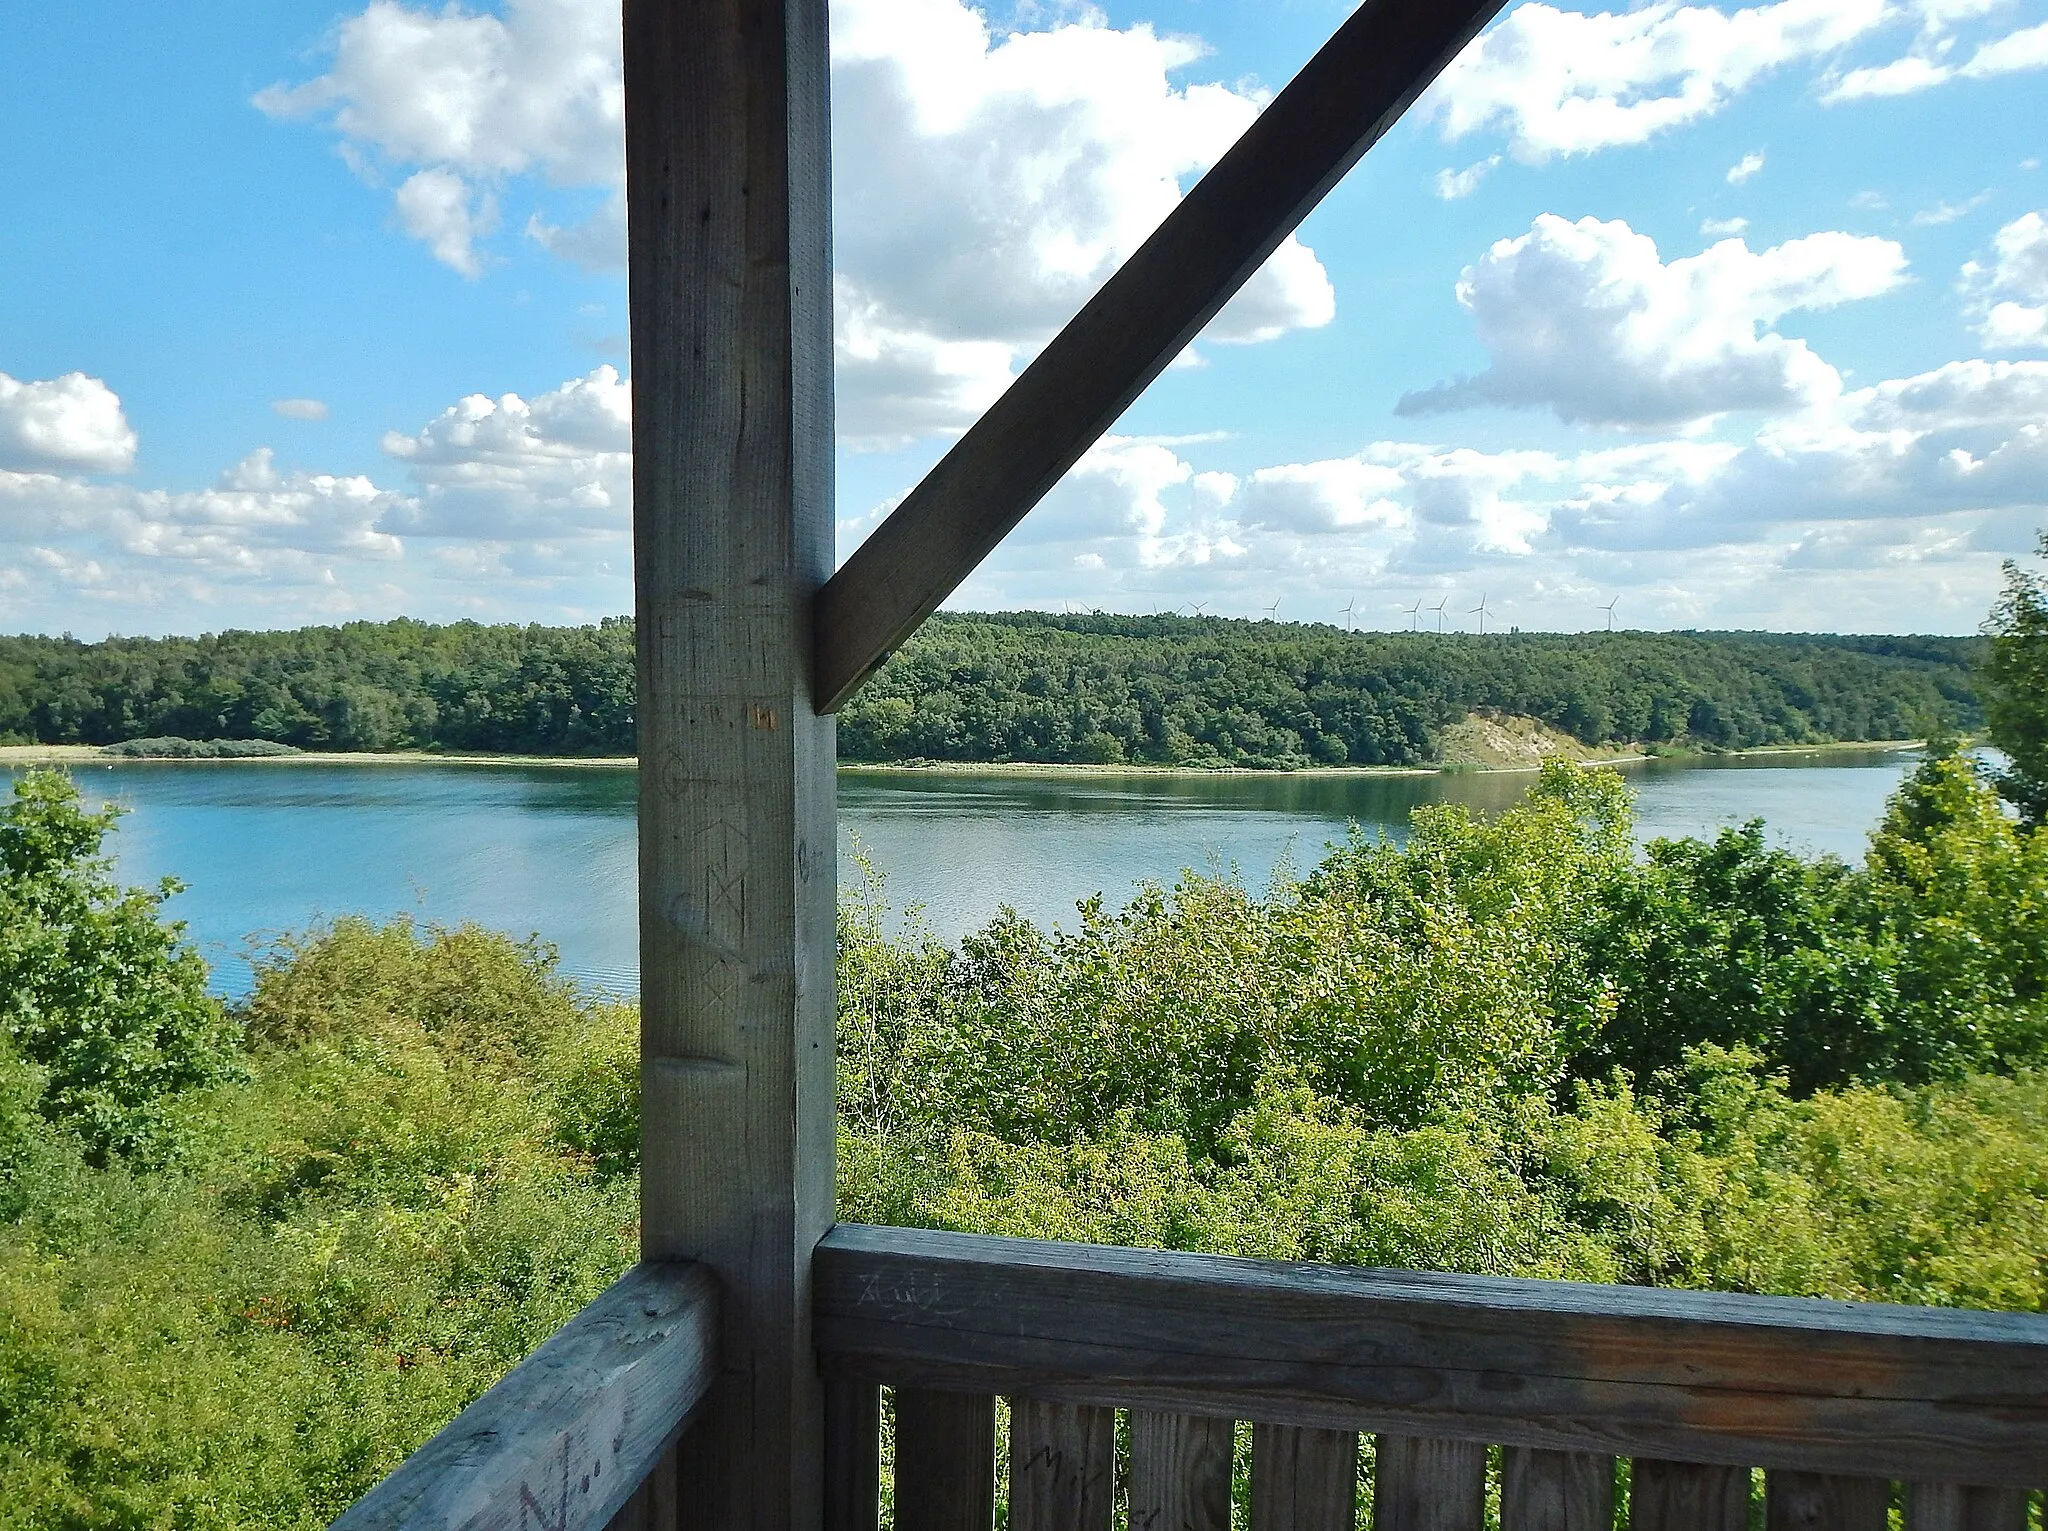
<point x="266" y="848"/>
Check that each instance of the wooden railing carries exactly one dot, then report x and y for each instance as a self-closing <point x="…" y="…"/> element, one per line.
<point x="1839" y="1403"/>
<point x="568" y="1440"/>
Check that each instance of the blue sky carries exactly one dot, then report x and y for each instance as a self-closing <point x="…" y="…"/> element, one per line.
<point x="1732" y="316"/>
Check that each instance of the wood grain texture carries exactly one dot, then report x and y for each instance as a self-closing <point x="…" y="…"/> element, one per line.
<point x="1304" y="1479"/>
<point x="1959" y="1507"/>
<point x="1623" y="1371"/>
<point x="574" y="1430"/>
<point x="1795" y="1501"/>
<point x="1180" y="1471"/>
<point x="853" y="1454"/>
<point x="1428" y="1485"/>
<point x="945" y="1461"/>
<point x="653" y="1505"/>
<point x="1062" y="1466"/>
<point x="1685" y="1496"/>
<point x="1555" y="1491"/>
<point x="1350" y="93"/>
<point x="728" y="246"/>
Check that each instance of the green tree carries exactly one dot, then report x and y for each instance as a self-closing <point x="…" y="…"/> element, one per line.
<point x="2016" y="707"/>
<point x="96" y="988"/>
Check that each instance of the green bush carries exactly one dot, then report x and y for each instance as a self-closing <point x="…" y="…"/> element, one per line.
<point x="390" y="1207"/>
<point x="96" y="989"/>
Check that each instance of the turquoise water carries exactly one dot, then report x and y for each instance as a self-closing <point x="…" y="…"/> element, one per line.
<point x="266" y="848"/>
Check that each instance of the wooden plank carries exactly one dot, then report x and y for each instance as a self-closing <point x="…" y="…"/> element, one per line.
<point x="1304" y="1479"/>
<point x="1961" y="1507"/>
<point x="853" y="1454"/>
<point x="1796" y="1501"/>
<point x="1686" y="1496"/>
<point x="653" y="1505"/>
<point x="1062" y="1466"/>
<point x="568" y="1436"/>
<point x="1555" y="1491"/>
<point x="1350" y="93"/>
<point x="1428" y="1485"/>
<point x="945" y="1461"/>
<point x="728" y="246"/>
<point x="1623" y="1371"/>
<point x="1180" y="1471"/>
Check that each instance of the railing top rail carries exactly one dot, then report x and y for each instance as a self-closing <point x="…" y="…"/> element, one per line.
<point x="1690" y="1376"/>
<point x="1386" y="1284"/>
<point x="566" y="1437"/>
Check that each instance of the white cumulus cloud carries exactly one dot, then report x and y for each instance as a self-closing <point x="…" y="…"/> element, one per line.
<point x="2014" y="286"/>
<point x="308" y="410"/>
<point x="557" y="466"/>
<point x="2015" y="53"/>
<point x="1744" y="168"/>
<point x="73" y="421"/>
<point x="987" y="183"/>
<point x="1558" y="82"/>
<point x="1587" y="320"/>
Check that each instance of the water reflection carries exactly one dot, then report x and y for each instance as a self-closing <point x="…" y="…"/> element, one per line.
<point x="266" y="848"/>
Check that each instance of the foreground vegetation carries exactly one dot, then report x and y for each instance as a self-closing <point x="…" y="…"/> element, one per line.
<point x="250" y="1258"/>
<point x="1020" y="686"/>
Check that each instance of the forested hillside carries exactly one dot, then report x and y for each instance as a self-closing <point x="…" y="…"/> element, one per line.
<point x="1019" y="686"/>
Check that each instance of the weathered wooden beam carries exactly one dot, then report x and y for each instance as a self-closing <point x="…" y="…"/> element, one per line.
<point x="945" y="1461"/>
<point x="728" y="241"/>
<point x="1304" y="1479"/>
<point x="567" y="1437"/>
<point x="1180" y="1472"/>
<point x="1820" y="1387"/>
<point x="1062" y="1466"/>
<point x="1555" y="1491"/>
<point x="1349" y="94"/>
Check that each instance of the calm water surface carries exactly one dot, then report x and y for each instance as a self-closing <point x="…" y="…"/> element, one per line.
<point x="267" y="848"/>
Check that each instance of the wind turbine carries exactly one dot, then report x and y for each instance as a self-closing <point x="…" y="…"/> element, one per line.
<point x="1272" y="610"/>
<point x="1414" y="614"/>
<point x="1438" y="608"/>
<point x="1349" y="611"/>
<point x="1609" y="609"/>
<point x="1480" y="612"/>
<point x="1195" y="607"/>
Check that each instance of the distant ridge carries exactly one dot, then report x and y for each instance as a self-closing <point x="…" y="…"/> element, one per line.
<point x="1093" y="688"/>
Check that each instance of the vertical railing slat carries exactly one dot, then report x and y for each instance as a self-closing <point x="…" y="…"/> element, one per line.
<point x="1428" y="1485"/>
<point x="1796" y="1501"/>
<point x="853" y="1455"/>
<point x="945" y="1461"/>
<point x="1062" y="1466"/>
<point x="1304" y="1480"/>
<point x="1959" y="1507"/>
<point x="1180" y="1472"/>
<point x="1555" y="1491"/>
<point x="1687" y="1496"/>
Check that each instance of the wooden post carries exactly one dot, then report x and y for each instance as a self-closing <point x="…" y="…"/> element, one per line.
<point x="728" y="199"/>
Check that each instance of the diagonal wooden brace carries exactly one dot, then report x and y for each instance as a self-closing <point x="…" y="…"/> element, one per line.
<point x="1349" y="94"/>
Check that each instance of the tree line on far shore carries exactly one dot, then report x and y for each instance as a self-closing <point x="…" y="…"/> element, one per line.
<point x="1010" y="686"/>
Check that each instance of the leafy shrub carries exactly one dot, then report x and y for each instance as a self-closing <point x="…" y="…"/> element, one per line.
<point x="97" y="990"/>
<point x="372" y="1224"/>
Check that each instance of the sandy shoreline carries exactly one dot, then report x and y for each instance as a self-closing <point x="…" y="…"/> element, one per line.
<point x="88" y="754"/>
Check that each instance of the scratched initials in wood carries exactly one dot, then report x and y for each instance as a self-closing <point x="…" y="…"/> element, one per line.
<point x="534" y="1515"/>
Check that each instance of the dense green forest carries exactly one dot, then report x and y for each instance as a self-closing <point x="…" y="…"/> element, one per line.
<point x="1008" y="687"/>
